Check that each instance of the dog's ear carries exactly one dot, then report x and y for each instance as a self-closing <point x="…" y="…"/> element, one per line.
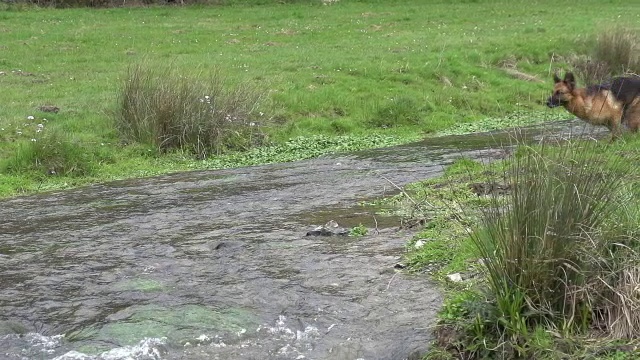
<point x="556" y="78"/>
<point x="570" y="80"/>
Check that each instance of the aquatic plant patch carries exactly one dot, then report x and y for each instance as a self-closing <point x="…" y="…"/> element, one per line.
<point x="179" y="324"/>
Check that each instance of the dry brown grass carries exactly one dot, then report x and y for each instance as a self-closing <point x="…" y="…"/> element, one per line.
<point x="614" y="52"/>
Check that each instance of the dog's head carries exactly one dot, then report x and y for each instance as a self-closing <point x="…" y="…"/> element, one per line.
<point x="562" y="90"/>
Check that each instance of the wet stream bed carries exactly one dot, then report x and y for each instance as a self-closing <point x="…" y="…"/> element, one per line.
<point x="216" y="264"/>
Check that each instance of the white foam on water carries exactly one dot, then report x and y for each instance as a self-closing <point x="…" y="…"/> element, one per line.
<point x="151" y="349"/>
<point x="219" y="344"/>
<point x="309" y="333"/>
<point x="202" y="338"/>
<point x="35" y="342"/>
<point x="287" y="349"/>
<point x="147" y="349"/>
<point x="47" y="343"/>
<point x="73" y="355"/>
<point x="283" y="336"/>
<point x="294" y="342"/>
<point x="280" y="328"/>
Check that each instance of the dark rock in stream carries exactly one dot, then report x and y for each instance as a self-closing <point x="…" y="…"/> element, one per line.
<point x="329" y="229"/>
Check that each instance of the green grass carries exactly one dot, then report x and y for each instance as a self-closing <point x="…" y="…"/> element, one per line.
<point x="444" y="206"/>
<point x="404" y="68"/>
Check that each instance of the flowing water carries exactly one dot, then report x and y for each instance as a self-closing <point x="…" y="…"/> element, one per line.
<point x="216" y="264"/>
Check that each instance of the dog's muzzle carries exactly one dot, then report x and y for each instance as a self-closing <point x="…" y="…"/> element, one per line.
<point x="553" y="102"/>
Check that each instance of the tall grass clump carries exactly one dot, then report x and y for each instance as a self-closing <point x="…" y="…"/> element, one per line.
<point x="560" y="251"/>
<point x="53" y="153"/>
<point x="400" y="111"/>
<point x="613" y="52"/>
<point x="200" y="114"/>
<point x="620" y="49"/>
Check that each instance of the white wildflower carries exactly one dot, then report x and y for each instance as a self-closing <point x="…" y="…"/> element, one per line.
<point x="30" y="117"/>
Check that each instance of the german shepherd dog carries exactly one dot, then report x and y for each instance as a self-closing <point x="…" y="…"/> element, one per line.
<point x="610" y="104"/>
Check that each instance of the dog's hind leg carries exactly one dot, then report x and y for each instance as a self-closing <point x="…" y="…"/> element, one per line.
<point x="633" y="122"/>
<point x="632" y="116"/>
<point x="615" y="133"/>
<point x="615" y="126"/>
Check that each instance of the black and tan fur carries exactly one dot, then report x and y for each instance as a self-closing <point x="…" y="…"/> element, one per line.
<point x="610" y="104"/>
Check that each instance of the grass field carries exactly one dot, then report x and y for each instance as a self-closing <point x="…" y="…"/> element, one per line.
<point x="395" y="70"/>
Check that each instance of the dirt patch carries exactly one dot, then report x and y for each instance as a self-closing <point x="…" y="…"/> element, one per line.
<point x="513" y="72"/>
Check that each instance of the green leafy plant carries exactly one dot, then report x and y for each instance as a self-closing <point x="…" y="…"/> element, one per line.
<point x="359" y="230"/>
